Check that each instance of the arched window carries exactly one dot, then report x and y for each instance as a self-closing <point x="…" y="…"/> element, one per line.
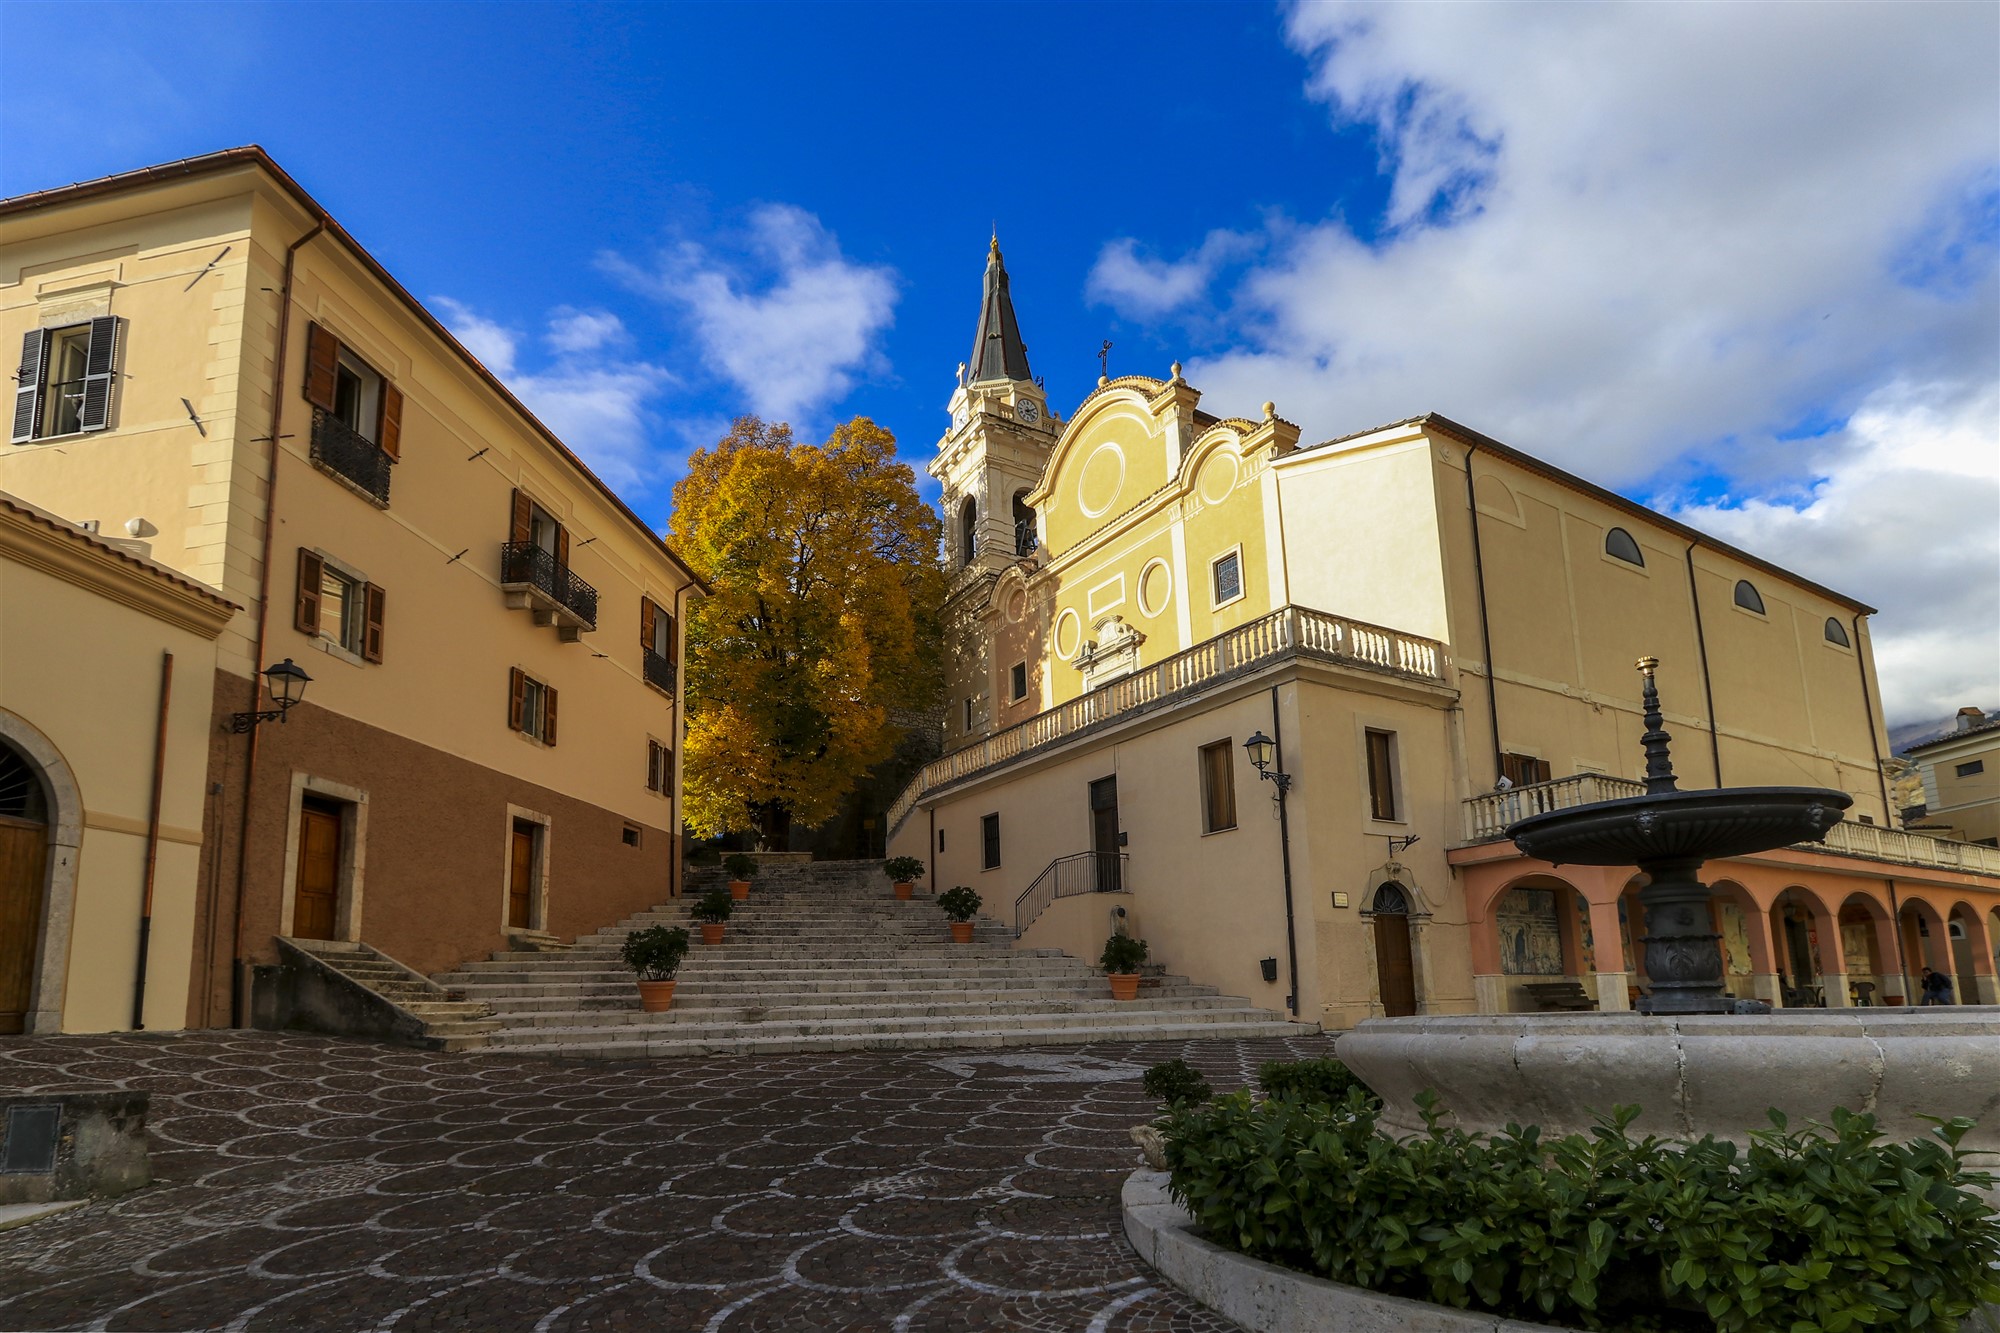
<point x="1024" y="525"/>
<point x="1390" y="901"/>
<point x="1836" y="633"/>
<point x="968" y="530"/>
<point x="1747" y="598"/>
<point x="21" y="794"/>
<point x="1619" y="543"/>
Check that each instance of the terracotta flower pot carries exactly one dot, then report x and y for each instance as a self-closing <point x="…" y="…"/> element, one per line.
<point x="1124" y="985"/>
<point x="711" y="932"/>
<point x="739" y="889"/>
<point x="903" y="891"/>
<point x="656" y="997"/>
<point x="961" y="932"/>
<point x="1893" y="999"/>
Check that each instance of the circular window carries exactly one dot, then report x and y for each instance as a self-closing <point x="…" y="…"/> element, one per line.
<point x="1156" y="585"/>
<point x="1218" y="477"/>
<point x="1069" y="634"/>
<point x="1017" y="606"/>
<point x="1103" y="474"/>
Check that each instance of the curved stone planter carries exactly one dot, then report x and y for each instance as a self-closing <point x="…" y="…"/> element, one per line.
<point x="1265" y="1298"/>
<point x="1692" y="1075"/>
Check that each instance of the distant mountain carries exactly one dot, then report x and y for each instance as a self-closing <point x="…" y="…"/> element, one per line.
<point x="1912" y="732"/>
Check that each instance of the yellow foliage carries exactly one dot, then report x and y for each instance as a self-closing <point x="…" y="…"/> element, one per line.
<point x="823" y="623"/>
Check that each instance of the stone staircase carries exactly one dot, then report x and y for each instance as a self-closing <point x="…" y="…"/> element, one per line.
<point x="824" y="958"/>
<point x="408" y="1006"/>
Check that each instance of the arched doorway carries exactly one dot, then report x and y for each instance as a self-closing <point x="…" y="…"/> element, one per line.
<point x="1395" y="964"/>
<point x="24" y="857"/>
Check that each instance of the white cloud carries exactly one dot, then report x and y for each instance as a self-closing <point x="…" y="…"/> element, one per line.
<point x="1143" y="286"/>
<point x="597" y="405"/>
<point x="792" y="325"/>
<point x="1654" y="244"/>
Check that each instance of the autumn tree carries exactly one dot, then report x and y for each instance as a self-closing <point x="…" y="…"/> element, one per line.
<point x="823" y="628"/>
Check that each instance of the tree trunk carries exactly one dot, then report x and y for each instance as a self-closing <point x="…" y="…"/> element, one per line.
<point x="774" y="827"/>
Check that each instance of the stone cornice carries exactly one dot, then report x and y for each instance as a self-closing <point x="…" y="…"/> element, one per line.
<point x="42" y="542"/>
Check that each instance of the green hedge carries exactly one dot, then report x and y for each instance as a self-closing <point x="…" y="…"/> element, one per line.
<point x="1805" y="1232"/>
<point x="1326" y="1080"/>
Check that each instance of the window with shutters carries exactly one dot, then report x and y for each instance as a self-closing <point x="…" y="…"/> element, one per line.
<point x="989" y="842"/>
<point x="659" y="768"/>
<point x="64" y="383"/>
<point x="658" y="653"/>
<point x="531" y="707"/>
<point x="535" y="572"/>
<point x="357" y="430"/>
<point x="1382" y="803"/>
<point x="339" y="607"/>
<point x="1218" y="786"/>
<point x="1523" y="769"/>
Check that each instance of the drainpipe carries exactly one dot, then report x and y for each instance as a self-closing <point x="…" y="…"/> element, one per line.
<point x="1285" y="845"/>
<point x="931" y="852"/>
<point x="1485" y="630"/>
<point x="152" y="844"/>
<point x="678" y="852"/>
<point x="1868" y="705"/>
<point x="236" y="969"/>
<point x="1701" y="648"/>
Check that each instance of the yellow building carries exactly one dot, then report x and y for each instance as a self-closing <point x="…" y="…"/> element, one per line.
<point x="1438" y="631"/>
<point x="487" y="751"/>
<point x="103" y="752"/>
<point x="1961" y="777"/>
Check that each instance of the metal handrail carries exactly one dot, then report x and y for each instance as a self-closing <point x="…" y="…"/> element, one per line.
<point x="659" y="671"/>
<point x="346" y="452"/>
<point x="526" y="563"/>
<point x="1070" y="877"/>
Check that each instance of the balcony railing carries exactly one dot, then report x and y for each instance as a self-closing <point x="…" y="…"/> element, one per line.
<point x="1070" y="877"/>
<point x="551" y="588"/>
<point x="1487" y="818"/>
<point x="348" y="454"/>
<point x="660" y="673"/>
<point x="1292" y="631"/>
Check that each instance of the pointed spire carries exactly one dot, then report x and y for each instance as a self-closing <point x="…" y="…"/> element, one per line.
<point x="997" y="350"/>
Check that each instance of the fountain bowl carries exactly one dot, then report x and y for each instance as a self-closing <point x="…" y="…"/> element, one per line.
<point x="1680" y="825"/>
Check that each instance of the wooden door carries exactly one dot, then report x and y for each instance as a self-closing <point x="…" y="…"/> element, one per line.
<point x="24" y="852"/>
<point x="1394" y="973"/>
<point x="1104" y="833"/>
<point x="316" y="904"/>
<point x="521" y="876"/>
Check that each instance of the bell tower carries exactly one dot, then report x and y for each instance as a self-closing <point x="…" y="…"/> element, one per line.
<point x="990" y="457"/>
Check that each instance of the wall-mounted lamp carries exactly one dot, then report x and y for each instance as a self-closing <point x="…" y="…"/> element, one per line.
<point x="287" y="682"/>
<point x="1269" y="967"/>
<point x="1403" y="844"/>
<point x="1263" y="752"/>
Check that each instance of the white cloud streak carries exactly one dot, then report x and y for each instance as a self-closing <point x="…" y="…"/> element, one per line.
<point x="1689" y="247"/>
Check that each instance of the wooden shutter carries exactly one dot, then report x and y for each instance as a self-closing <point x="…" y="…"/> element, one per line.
<point x="653" y="777"/>
<point x="549" y="714"/>
<point x="28" y="397"/>
<point x="647" y="610"/>
<point x="389" y="429"/>
<point x="371" y="622"/>
<point x="517" y="697"/>
<point x="100" y="359"/>
<point x="523" y="524"/>
<point x="673" y="641"/>
<point x="322" y="356"/>
<point x="312" y="572"/>
<point x="562" y="547"/>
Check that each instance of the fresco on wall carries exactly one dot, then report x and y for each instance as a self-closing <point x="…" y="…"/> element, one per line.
<point x="1857" y="942"/>
<point x="1530" y="935"/>
<point x="1735" y="941"/>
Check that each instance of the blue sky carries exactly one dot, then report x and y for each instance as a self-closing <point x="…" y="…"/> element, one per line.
<point x="1712" y="256"/>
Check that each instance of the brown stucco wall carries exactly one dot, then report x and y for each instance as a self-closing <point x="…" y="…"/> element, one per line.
<point x="435" y="853"/>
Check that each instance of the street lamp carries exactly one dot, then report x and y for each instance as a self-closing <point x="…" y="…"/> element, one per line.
<point x="287" y="682"/>
<point x="1263" y="752"/>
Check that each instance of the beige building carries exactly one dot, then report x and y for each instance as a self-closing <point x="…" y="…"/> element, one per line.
<point x="1961" y="777"/>
<point x="1438" y="632"/>
<point x="103" y="753"/>
<point x="487" y="752"/>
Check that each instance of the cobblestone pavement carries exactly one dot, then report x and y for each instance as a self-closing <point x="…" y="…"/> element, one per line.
<point x="317" y="1183"/>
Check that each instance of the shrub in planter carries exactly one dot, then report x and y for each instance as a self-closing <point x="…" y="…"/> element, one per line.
<point x="740" y="869"/>
<point x="1820" y="1229"/>
<point x="1177" y="1083"/>
<point x="713" y="909"/>
<point x="1325" y="1080"/>
<point x="903" y="871"/>
<point x="655" y="955"/>
<point x="1121" y="960"/>
<point x="959" y="905"/>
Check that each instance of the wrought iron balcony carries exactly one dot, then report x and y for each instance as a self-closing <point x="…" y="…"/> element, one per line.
<point x="660" y="673"/>
<point x="345" y="452"/>
<point x="533" y="580"/>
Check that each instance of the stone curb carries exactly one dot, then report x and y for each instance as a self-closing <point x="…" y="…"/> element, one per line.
<point x="1265" y="1298"/>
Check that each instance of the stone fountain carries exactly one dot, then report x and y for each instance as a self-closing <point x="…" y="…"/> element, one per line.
<point x="1695" y="1060"/>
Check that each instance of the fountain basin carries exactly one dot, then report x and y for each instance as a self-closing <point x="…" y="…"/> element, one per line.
<point x="1678" y="825"/>
<point x="1691" y="1074"/>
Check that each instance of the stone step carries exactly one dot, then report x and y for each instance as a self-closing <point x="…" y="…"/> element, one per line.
<point x="510" y="999"/>
<point x="704" y="1028"/>
<point x="748" y="1042"/>
<point x="626" y="1010"/>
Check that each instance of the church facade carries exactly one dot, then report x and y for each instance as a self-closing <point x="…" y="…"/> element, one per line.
<point x="1270" y="705"/>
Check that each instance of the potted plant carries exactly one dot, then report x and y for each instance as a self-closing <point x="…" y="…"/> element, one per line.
<point x="1122" y="956"/>
<point x="713" y="909"/>
<point x="655" y="954"/>
<point x="740" y="868"/>
<point x="902" y="872"/>
<point x="960" y="906"/>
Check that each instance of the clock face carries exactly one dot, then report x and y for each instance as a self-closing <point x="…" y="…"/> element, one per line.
<point x="1028" y="411"/>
